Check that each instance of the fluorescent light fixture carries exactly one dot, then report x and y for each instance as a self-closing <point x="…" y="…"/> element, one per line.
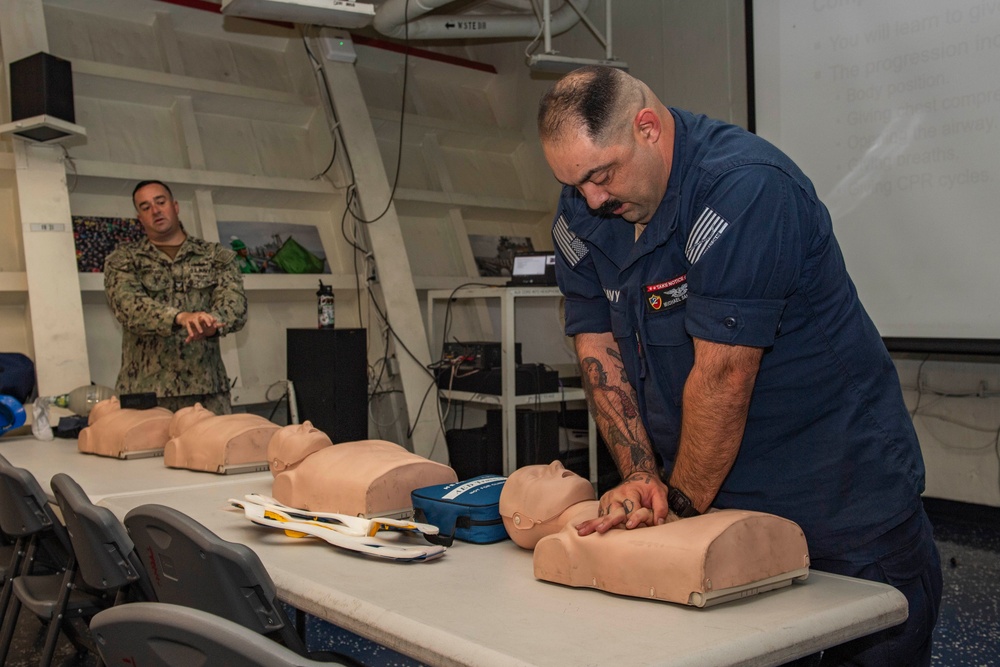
<point x="548" y="62"/>
<point x="333" y="13"/>
<point x="43" y="129"/>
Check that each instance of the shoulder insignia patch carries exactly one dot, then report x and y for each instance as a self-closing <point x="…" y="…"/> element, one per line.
<point x="706" y="231"/>
<point x="571" y="247"/>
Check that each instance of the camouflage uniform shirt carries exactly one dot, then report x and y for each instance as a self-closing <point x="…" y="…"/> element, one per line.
<point x="146" y="291"/>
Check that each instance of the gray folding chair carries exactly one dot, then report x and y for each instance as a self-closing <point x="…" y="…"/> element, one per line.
<point x="190" y="565"/>
<point x="105" y="554"/>
<point x="12" y="550"/>
<point x="57" y="598"/>
<point x="20" y="541"/>
<point x="7" y="554"/>
<point x="154" y="634"/>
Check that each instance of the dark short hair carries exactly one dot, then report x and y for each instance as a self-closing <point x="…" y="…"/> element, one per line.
<point x="589" y="96"/>
<point x="141" y="184"/>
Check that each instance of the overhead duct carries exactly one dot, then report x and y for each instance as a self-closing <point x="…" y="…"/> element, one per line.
<point x="402" y="19"/>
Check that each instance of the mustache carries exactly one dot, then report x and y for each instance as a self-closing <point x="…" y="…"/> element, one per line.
<point x="608" y="207"/>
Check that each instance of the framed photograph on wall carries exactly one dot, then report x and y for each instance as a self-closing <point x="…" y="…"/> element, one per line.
<point x="95" y="237"/>
<point x="275" y="247"/>
<point x="495" y="254"/>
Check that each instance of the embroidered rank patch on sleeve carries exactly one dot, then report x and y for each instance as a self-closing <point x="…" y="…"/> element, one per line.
<point x="569" y="244"/>
<point x="706" y="231"/>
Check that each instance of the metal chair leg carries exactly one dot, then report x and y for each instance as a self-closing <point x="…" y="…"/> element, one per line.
<point x="58" y="615"/>
<point x="9" y="623"/>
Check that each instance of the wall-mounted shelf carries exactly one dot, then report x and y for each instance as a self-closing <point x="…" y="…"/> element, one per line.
<point x="568" y="394"/>
<point x="478" y="207"/>
<point x="44" y="129"/>
<point x="116" y="178"/>
<point x="269" y="284"/>
<point x="454" y="134"/>
<point x="13" y="288"/>
<point x="277" y="282"/>
<point x="140" y="86"/>
<point x="452" y="282"/>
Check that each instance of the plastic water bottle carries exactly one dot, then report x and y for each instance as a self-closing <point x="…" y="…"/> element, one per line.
<point x="324" y="305"/>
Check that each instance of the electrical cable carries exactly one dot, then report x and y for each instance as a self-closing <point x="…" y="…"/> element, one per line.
<point x="402" y="119"/>
<point x="411" y="429"/>
<point x="921" y="411"/>
<point x="529" y="49"/>
<point x="72" y="166"/>
<point x="277" y="402"/>
<point x="396" y="336"/>
<point x="351" y="201"/>
<point x="371" y="413"/>
<point x="385" y="360"/>
<point x="447" y="311"/>
<point x="416" y="418"/>
<point x="331" y="111"/>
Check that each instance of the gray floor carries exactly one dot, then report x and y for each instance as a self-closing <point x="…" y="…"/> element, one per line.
<point x="967" y="633"/>
<point x="968" y="628"/>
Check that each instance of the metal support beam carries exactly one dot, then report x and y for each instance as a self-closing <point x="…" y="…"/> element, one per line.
<point x="395" y="276"/>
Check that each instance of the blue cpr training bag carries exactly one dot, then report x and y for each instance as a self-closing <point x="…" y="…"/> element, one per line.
<point x="467" y="511"/>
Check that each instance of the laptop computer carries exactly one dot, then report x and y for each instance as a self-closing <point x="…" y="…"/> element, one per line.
<point x="533" y="268"/>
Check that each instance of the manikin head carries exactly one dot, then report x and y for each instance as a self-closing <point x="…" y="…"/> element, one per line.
<point x="605" y="133"/>
<point x="293" y="444"/>
<point x="103" y="409"/>
<point x="535" y="498"/>
<point x="187" y="417"/>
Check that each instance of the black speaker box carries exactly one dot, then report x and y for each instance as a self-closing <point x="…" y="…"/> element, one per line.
<point x="479" y="451"/>
<point x="41" y="84"/>
<point x="329" y="369"/>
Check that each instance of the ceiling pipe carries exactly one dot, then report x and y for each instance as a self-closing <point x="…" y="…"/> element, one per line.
<point x="392" y="17"/>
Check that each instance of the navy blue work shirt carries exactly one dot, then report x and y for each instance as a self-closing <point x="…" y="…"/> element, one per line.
<point x="741" y="251"/>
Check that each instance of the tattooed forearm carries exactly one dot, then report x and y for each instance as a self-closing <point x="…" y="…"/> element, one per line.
<point x="614" y="403"/>
<point x="630" y="456"/>
<point x="622" y="375"/>
<point x="642" y="460"/>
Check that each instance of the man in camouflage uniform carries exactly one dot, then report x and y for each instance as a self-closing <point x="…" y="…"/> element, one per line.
<point x="175" y="296"/>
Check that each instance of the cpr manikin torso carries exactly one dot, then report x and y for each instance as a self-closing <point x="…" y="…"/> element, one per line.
<point x="122" y="433"/>
<point x="202" y="440"/>
<point x="699" y="561"/>
<point x="366" y="478"/>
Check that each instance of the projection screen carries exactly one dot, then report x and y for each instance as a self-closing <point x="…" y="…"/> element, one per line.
<point x="892" y="107"/>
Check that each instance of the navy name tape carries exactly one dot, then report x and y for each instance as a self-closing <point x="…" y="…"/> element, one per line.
<point x="664" y="296"/>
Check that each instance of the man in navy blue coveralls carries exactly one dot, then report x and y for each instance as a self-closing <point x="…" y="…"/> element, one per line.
<point x="722" y="338"/>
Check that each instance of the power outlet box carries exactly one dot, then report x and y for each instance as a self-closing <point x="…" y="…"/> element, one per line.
<point x="338" y="46"/>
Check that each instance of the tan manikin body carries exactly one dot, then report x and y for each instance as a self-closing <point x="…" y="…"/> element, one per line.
<point x="203" y="440"/>
<point x="366" y="478"/>
<point x="123" y="432"/>
<point x="704" y="560"/>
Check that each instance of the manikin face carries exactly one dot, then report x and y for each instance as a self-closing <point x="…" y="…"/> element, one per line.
<point x="535" y="498"/>
<point x="158" y="213"/>
<point x="625" y="179"/>
<point x="542" y="492"/>
<point x="294" y="443"/>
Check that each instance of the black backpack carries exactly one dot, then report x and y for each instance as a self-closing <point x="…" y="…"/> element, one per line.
<point x="17" y="376"/>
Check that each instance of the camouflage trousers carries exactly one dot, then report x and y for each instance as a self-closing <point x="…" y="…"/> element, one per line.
<point x="217" y="403"/>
